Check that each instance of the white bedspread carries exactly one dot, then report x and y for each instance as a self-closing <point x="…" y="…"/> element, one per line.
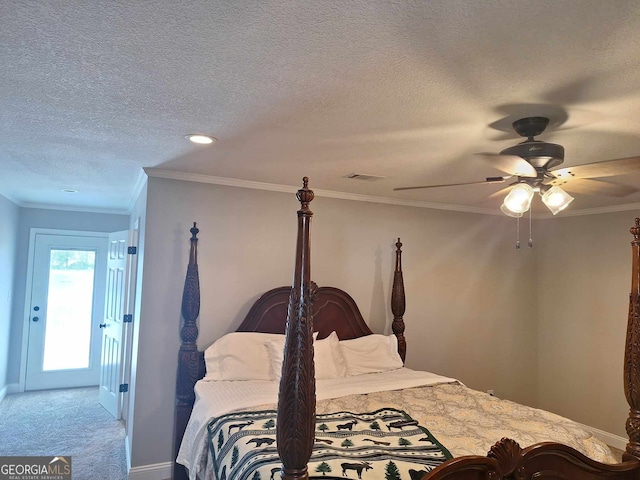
<point x="215" y="398"/>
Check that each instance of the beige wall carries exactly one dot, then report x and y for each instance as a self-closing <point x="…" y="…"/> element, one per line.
<point x="470" y="308"/>
<point x="584" y="268"/>
<point x="8" y="246"/>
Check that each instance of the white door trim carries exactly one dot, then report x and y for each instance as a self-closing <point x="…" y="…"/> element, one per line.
<point x="127" y="348"/>
<point x="29" y="283"/>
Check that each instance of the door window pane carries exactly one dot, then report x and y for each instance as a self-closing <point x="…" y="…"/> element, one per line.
<point x="69" y="308"/>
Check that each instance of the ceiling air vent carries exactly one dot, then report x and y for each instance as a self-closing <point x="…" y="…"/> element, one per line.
<point x="363" y="176"/>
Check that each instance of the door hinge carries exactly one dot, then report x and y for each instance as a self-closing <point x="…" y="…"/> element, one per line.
<point x="132" y="250"/>
<point x="124" y="387"/>
<point x="127" y="318"/>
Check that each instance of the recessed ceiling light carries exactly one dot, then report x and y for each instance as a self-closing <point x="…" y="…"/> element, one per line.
<point x="201" y="139"/>
<point x="69" y="190"/>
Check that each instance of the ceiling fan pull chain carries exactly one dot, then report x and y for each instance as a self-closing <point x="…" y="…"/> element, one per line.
<point x="518" y="233"/>
<point x="530" y="230"/>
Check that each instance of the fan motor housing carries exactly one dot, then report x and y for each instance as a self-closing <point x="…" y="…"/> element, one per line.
<point x="537" y="153"/>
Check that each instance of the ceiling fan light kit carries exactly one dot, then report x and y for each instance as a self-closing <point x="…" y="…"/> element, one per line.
<point x="556" y="199"/>
<point x="518" y="200"/>
<point x="504" y="209"/>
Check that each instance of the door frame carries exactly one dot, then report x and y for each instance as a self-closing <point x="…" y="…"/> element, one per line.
<point x="29" y="284"/>
<point x="127" y="348"/>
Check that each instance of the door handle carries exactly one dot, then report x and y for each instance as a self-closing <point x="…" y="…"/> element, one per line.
<point x="103" y="325"/>
<point x="35" y="319"/>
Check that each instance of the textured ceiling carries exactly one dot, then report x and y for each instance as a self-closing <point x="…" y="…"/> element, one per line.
<point x="91" y="92"/>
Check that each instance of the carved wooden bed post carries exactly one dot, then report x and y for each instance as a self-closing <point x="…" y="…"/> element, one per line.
<point x="189" y="356"/>
<point x="398" y="303"/>
<point x="632" y="352"/>
<point x="297" y="397"/>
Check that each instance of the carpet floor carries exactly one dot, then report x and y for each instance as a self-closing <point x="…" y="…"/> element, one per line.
<point x="65" y="423"/>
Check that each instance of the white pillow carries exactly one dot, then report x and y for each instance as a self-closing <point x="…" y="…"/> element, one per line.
<point x="327" y="356"/>
<point x="371" y="353"/>
<point x="240" y="356"/>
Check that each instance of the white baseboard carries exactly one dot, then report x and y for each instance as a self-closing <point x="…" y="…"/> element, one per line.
<point x="14" y="388"/>
<point x="609" y="438"/>
<point x="158" y="471"/>
<point x="127" y="451"/>
<point x="9" y="389"/>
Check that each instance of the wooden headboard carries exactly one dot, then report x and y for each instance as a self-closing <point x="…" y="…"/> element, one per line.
<point x="332" y="309"/>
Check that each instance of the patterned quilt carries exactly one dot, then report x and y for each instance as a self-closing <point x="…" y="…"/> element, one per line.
<point x="466" y="421"/>
<point x="384" y="444"/>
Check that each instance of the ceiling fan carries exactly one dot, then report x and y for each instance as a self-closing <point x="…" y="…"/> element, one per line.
<point x="530" y="165"/>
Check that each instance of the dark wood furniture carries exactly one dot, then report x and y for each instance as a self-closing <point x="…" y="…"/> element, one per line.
<point x="327" y="309"/>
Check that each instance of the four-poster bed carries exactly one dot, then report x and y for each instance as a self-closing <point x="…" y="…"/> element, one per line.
<point x="299" y="434"/>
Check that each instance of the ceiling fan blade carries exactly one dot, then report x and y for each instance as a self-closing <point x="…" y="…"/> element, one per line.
<point x="489" y="180"/>
<point x="595" y="187"/>
<point x="610" y="168"/>
<point x="511" y="164"/>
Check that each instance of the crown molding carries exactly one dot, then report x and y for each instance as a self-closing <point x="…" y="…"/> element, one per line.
<point x="273" y="187"/>
<point x="12" y="199"/>
<point x="72" y="208"/>
<point x="593" y="211"/>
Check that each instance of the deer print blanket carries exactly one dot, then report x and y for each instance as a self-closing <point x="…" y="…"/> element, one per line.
<point x="385" y="444"/>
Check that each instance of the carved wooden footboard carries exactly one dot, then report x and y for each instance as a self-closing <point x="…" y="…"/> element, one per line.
<point x="506" y="460"/>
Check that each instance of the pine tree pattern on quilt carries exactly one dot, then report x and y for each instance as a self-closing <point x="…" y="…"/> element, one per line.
<point x="386" y="444"/>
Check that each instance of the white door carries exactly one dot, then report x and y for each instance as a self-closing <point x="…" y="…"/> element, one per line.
<point x="113" y="325"/>
<point x="66" y="305"/>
